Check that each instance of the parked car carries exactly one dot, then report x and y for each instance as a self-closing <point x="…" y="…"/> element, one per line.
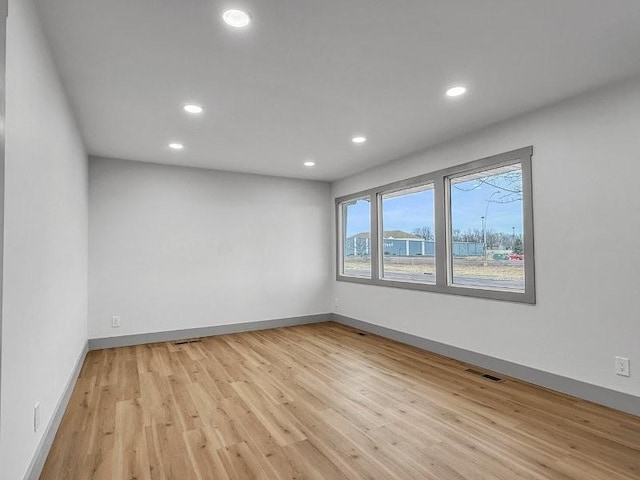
<point x="516" y="256"/>
<point x="500" y="256"/>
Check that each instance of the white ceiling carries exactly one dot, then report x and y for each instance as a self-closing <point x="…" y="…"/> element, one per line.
<point x="307" y="75"/>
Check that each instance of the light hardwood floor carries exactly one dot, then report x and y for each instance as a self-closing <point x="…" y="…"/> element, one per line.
<point x="324" y="402"/>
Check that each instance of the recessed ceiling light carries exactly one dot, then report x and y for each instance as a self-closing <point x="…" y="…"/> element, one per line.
<point x="191" y="108"/>
<point x="456" y="91"/>
<point x="309" y="164"/>
<point x="176" y="146"/>
<point x="359" y="139"/>
<point x="236" y="18"/>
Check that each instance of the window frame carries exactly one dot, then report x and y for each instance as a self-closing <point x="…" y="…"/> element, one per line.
<point x="422" y="180"/>
<point x="341" y="227"/>
<point x="443" y="229"/>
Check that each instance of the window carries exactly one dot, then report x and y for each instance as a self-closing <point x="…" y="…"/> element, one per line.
<point x="408" y="235"/>
<point x="487" y="249"/>
<point x="464" y="230"/>
<point x="356" y="240"/>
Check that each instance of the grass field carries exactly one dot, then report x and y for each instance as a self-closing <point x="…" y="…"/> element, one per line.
<point x="472" y="267"/>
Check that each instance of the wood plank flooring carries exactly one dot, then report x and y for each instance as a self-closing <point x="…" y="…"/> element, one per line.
<point x="324" y="402"/>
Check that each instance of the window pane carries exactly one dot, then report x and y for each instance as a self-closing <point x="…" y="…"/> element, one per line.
<point x="486" y="225"/>
<point x="356" y="238"/>
<point x="408" y="239"/>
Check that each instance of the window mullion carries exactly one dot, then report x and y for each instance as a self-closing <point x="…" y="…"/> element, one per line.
<point x="442" y="228"/>
<point x="375" y="236"/>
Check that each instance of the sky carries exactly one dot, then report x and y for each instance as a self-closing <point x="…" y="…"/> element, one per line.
<point x="470" y="200"/>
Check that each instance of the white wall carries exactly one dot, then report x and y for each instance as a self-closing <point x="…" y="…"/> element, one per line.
<point x="45" y="243"/>
<point x="586" y="177"/>
<point x="174" y="247"/>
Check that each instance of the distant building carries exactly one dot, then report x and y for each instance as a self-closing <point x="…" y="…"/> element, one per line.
<point x="403" y="244"/>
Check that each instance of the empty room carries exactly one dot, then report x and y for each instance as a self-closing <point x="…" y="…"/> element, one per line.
<point x="320" y="240"/>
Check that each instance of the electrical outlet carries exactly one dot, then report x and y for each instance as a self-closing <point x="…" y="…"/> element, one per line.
<point x="36" y="417"/>
<point x="335" y="302"/>
<point x="622" y="366"/>
<point x="115" y="321"/>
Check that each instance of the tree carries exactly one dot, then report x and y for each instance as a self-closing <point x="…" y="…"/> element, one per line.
<point x="506" y="187"/>
<point x="493" y="239"/>
<point x="517" y="246"/>
<point x="470" y="236"/>
<point x="424" y="232"/>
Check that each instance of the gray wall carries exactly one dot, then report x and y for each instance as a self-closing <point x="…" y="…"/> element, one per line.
<point x="45" y="232"/>
<point x="174" y="248"/>
<point x="585" y="187"/>
<point x="3" y="44"/>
